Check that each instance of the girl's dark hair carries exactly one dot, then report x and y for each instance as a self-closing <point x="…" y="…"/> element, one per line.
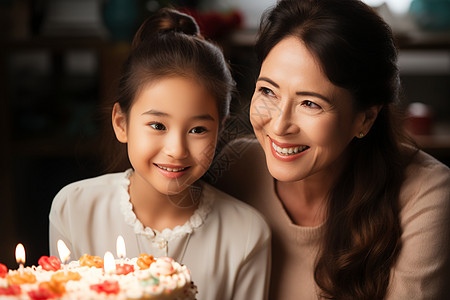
<point x="169" y="44"/>
<point x="356" y="49"/>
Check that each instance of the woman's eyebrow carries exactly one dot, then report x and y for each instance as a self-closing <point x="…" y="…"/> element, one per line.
<point x="305" y="93"/>
<point x="314" y="95"/>
<point x="269" y="81"/>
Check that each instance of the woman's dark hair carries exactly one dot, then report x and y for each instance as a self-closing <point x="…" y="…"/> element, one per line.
<point x="356" y="49"/>
<point x="169" y="44"/>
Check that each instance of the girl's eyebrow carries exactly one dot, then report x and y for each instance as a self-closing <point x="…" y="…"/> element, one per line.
<point x="305" y="93"/>
<point x="206" y="117"/>
<point x="157" y="113"/>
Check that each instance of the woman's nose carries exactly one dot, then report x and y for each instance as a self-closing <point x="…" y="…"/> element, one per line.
<point x="176" y="146"/>
<point x="282" y="121"/>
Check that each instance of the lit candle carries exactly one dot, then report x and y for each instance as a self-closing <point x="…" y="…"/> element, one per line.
<point x="109" y="265"/>
<point x="64" y="254"/>
<point x="20" y="256"/>
<point x="120" y="247"/>
<point x="122" y="268"/>
<point x="21" y="276"/>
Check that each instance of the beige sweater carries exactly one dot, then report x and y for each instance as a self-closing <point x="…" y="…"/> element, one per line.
<point x="422" y="270"/>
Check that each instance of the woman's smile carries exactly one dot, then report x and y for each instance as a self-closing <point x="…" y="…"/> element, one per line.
<point x="285" y="151"/>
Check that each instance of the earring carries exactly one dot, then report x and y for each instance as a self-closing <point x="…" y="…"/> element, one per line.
<point x="361" y="134"/>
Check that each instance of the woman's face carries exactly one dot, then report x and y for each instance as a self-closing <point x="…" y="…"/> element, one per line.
<point x="303" y="122"/>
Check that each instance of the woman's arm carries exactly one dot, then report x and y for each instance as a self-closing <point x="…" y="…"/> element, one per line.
<point x="422" y="270"/>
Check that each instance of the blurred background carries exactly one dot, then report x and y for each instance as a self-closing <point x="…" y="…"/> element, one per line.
<point x="59" y="64"/>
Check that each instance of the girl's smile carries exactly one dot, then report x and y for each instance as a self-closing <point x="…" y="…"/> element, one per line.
<point x="171" y="171"/>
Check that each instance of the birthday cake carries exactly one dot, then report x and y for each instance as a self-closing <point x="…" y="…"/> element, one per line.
<point x="143" y="277"/>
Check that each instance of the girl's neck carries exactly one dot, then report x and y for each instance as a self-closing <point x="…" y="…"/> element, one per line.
<point x="159" y="211"/>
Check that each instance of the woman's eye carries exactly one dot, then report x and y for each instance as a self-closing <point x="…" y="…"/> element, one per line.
<point x="266" y="91"/>
<point x="198" y="130"/>
<point x="310" y="104"/>
<point x="157" y="126"/>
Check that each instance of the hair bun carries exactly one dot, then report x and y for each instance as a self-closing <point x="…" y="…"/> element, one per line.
<point x="164" y="21"/>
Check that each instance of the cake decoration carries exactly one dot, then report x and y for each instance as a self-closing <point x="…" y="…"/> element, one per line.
<point x="92" y="277"/>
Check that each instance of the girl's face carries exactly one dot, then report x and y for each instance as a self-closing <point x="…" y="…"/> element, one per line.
<point x="303" y="122"/>
<point x="171" y="134"/>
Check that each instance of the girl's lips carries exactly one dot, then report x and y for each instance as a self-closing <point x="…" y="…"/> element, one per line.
<point x="171" y="171"/>
<point x="286" y="152"/>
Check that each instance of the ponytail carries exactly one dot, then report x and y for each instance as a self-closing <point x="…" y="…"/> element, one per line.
<point x="166" y="21"/>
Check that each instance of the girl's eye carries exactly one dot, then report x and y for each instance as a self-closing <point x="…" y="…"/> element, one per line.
<point x="198" y="130"/>
<point x="266" y="91"/>
<point x="310" y="104"/>
<point x="157" y="126"/>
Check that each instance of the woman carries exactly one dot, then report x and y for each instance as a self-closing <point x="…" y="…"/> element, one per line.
<point x="356" y="211"/>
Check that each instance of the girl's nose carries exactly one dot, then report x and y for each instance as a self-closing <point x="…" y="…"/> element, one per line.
<point x="176" y="146"/>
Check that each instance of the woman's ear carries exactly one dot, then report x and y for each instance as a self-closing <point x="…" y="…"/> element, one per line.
<point x="368" y="117"/>
<point x="119" y="122"/>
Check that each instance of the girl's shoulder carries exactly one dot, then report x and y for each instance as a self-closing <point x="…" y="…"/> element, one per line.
<point x="98" y="181"/>
<point x="87" y="190"/>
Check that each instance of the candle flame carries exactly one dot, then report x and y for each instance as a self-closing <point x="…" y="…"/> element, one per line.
<point x="108" y="263"/>
<point x="120" y="247"/>
<point x="20" y="254"/>
<point x="64" y="252"/>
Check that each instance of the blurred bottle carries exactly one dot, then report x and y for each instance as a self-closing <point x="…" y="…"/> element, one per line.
<point x="431" y="14"/>
<point x="420" y="119"/>
<point x="121" y="18"/>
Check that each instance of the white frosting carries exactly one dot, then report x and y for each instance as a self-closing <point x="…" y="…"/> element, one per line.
<point x="174" y="282"/>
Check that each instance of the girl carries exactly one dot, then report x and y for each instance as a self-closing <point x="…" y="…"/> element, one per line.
<point x="174" y="95"/>
<point x="356" y="210"/>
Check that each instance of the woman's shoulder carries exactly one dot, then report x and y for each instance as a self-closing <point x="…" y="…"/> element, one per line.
<point x="238" y="167"/>
<point x="425" y="166"/>
<point x="427" y="182"/>
<point x="245" y="149"/>
<point x="234" y="212"/>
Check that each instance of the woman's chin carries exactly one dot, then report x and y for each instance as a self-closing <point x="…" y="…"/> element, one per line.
<point x="284" y="174"/>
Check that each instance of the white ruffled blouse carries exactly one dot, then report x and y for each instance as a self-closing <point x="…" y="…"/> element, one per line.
<point x="224" y="243"/>
<point x="168" y="234"/>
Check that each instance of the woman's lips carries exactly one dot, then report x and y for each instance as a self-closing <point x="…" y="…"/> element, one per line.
<point x="285" y="151"/>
